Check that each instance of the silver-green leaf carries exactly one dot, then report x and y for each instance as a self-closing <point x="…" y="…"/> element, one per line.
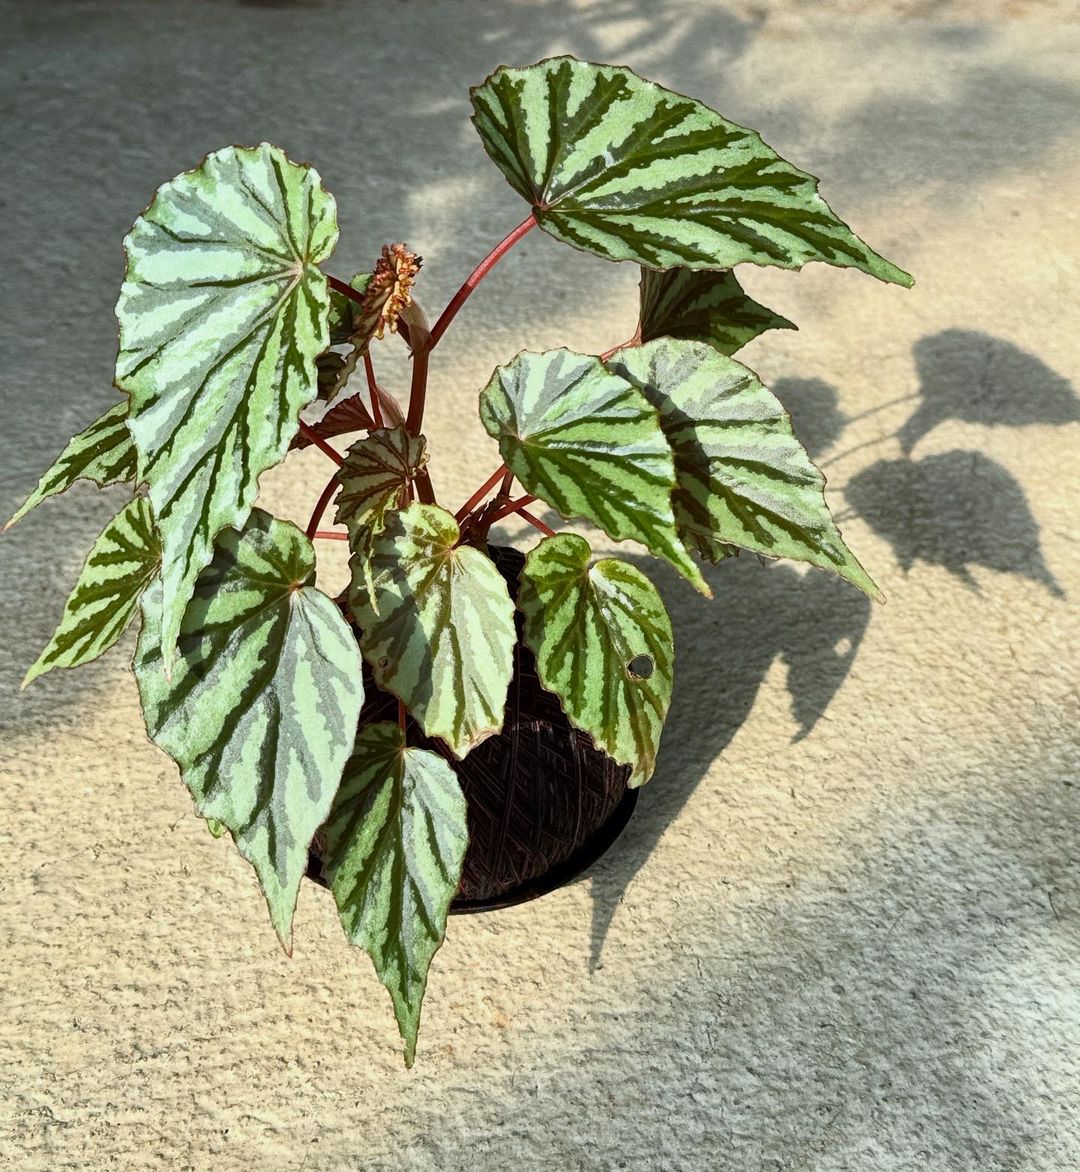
<point x="603" y="644"/>
<point x="702" y="306"/>
<point x="623" y="168"/>
<point x="438" y="628"/>
<point x="590" y="445"/>
<point x="262" y="708"/>
<point x="102" y="452"/>
<point x="121" y="565"/>
<point x="395" y="843"/>
<point x="744" y="479"/>
<point x="222" y="314"/>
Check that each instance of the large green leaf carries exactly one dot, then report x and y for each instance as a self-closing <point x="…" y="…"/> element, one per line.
<point x="744" y="479"/>
<point x="222" y="315"/>
<point x="603" y="644"/>
<point x="262" y="707"/>
<point x="123" y="561"/>
<point x="378" y="471"/>
<point x="438" y="630"/>
<point x="626" y="169"/>
<point x="395" y="843"/>
<point x="703" y="306"/>
<point x="590" y="445"/>
<point x="103" y="452"/>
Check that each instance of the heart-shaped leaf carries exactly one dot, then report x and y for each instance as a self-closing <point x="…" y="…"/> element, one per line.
<point x="103" y="452"/>
<point x="395" y="843"/>
<point x="703" y="306"/>
<point x="377" y="472"/>
<point x="262" y="707"/>
<point x="590" y="445"/>
<point x="744" y="479"/>
<point x="222" y="314"/>
<point x="626" y="169"/>
<point x="438" y="629"/>
<point x="123" y="561"/>
<point x="603" y="644"/>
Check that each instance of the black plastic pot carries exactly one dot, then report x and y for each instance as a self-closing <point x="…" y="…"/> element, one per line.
<point x="544" y="803"/>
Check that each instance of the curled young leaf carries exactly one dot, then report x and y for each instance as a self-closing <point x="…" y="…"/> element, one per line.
<point x="102" y="452"/>
<point x="395" y="843"/>
<point x="438" y="627"/>
<point x="744" y="479"/>
<point x="623" y="168"/>
<point x="590" y="445"/>
<point x="702" y="306"/>
<point x="222" y="313"/>
<point x="122" y="563"/>
<point x="603" y="644"/>
<point x="262" y="707"/>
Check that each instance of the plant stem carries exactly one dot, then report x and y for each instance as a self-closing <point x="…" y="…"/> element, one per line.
<point x="325" y="496"/>
<point x="418" y="391"/>
<point x="536" y="523"/>
<point x="480" y="493"/>
<point x="634" y="341"/>
<point x="345" y="290"/>
<point x="373" y="391"/>
<point x="477" y="275"/>
<point x="313" y="436"/>
<point x="512" y="507"/>
<point x="401" y="715"/>
<point x="331" y="535"/>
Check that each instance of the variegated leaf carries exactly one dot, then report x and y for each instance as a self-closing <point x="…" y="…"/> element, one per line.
<point x="102" y="452"/>
<point x="123" y="561"/>
<point x="395" y="843"/>
<point x="438" y="630"/>
<point x="703" y="306"/>
<point x="626" y="169"/>
<point x="262" y="707"/>
<point x="744" y="479"/>
<point x="590" y="445"/>
<point x="603" y="644"/>
<point x="375" y="478"/>
<point x="342" y="314"/>
<point x="222" y="315"/>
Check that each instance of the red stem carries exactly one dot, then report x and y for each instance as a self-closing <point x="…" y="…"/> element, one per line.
<point x="477" y="275"/>
<point x="480" y="493"/>
<point x="373" y="390"/>
<point x="331" y="535"/>
<point x="401" y="715"/>
<point x="512" y="507"/>
<point x="536" y="523"/>
<point x="417" y="392"/>
<point x="345" y="290"/>
<point x="320" y="506"/>
<point x="313" y="436"/>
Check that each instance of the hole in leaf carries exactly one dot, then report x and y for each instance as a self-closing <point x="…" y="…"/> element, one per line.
<point x="640" y="667"/>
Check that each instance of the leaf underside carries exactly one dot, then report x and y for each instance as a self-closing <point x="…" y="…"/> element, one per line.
<point x="102" y="452"/>
<point x="395" y="844"/>
<point x="438" y="629"/>
<point x="590" y="445"/>
<point x="121" y="564"/>
<point x="702" y="306"/>
<point x="623" y="168"/>
<point x="603" y="644"/>
<point x="744" y="479"/>
<point x="262" y="707"/>
<point x="222" y="315"/>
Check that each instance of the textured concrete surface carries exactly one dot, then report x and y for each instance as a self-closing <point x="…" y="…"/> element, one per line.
<point x="842" y="930"/>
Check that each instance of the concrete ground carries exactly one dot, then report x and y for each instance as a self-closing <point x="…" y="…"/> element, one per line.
<point x="843" y="929"/>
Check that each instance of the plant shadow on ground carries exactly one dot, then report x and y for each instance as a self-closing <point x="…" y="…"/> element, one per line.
<point x="955" y="509"/>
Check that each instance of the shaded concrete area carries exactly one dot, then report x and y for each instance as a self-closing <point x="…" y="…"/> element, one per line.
<point x="841" y="931"/>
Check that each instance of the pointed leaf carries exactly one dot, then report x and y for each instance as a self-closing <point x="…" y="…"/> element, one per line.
<point x="703" y="306"/>
<point x="222" y="315"/>
<point x="123" y="561"/>
<point x="395" y="843"/>
<point x="590" y="445"/>
<point x="377" y="471"/>
<point x="261" y="711"/>
<point x="744" y="479"/>
<point x="603" y="644"/>
<point x="347" y="416"/>
<point x="623" y="168"/>
<point x="103" y="452"/>
<point x="438" y="630"/>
